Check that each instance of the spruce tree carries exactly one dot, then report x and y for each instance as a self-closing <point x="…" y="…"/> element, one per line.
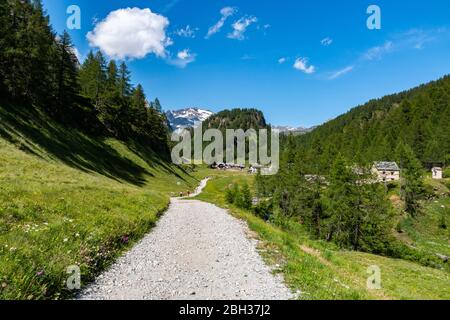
<point x="67" y="74"/>
<point x="92" y="77"/>
<point x="157" y="105"/>
<point x="124" y="81"/>
<point x="411" y="178"/>
<point x="138" y="110"/>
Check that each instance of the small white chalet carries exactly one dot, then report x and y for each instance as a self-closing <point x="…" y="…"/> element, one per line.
<point x="436" y="173"/>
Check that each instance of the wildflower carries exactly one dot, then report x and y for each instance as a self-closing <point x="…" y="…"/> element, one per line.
<point x="66" y="239"/>
<point x="40" y="273"/>
<point x="125" y="239"/>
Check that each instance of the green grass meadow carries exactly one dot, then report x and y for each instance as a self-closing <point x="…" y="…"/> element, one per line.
<point x="68" y="199"/>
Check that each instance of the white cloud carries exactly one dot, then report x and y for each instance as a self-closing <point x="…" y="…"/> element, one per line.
<point x="379" y="51"/>
<point x="326" y="42"/>
<point x="417" y="38"/>
<point x="240" y="27"/>
<point x="301" y="64"/>
<point x="184" y="57"/>
<point x="340" y="73"/>
<point x="411" y="39"/>
<point x="186" y="32"/>
<point x="282" y="60"/>
<point x="226" y="13"/>
<point x="131" y="33"/>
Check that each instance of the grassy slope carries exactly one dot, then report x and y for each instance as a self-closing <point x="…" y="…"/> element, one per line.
<point x="426" y="231"/>
<point x="68" y="199"/>
<point x="321" y="271"/>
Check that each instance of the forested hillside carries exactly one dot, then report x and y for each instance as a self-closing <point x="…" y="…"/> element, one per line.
<point x="83" y="170"/>
<point x="419" y="118"/>
<point x="39" y="69"/>
<point x="324" y="177"/>
<point x="236" y="119"/>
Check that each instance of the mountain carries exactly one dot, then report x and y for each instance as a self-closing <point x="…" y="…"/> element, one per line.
<point x="236" y="119"/>
<point x="419" y="117"/>
<point x="293" y="130"/>
<point x="187" y="117"/>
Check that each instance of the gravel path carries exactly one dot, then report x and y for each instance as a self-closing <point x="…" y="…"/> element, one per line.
<point x="196" y="251"/>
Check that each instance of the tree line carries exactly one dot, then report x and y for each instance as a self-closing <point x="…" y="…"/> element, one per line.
<point x="39" y="68"/>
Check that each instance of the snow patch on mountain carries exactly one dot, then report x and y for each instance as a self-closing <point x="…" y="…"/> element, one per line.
<point x="187" y="118"/>
<point x="293" y="130"/>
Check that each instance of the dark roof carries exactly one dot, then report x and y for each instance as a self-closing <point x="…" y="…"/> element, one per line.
<point x="386" y="166"/>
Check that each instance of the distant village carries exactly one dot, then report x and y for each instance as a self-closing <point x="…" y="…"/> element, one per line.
<point x="236" y="167"/>
<point x="384" y="171"/>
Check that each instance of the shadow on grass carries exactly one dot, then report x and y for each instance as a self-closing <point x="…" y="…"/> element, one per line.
<point x="31" y="130"/>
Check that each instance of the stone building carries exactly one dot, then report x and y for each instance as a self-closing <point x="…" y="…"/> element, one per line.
<point x="386" y="171"/>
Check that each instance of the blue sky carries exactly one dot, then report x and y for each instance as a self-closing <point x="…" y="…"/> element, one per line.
<point x="300" y="62"/>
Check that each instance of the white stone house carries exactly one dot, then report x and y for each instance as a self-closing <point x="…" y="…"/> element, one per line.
<point x="386" y="171"/>
<point x="436" y="173"/>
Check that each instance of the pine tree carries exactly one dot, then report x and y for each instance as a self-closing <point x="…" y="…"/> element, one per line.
<point x="230" y="194"/>
<point x="124" y="81"/>
<point x="67" y="73"/>
<point x="92" y="77"/>
<point x="342" y="201"/>
<point x="157" y="105"/>
<point x="411" y="178"/>
<point x="245" y="198"/>
<point x="28" y="52"/>
<point x="112" y="81"/>
<point x="138" y="110"/>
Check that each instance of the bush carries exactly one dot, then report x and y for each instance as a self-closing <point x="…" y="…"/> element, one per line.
<point x="264" y="210"/>
<point x="241" y="197"/>
<point x="244" y="198"/>
<point x="397" y="249"/>
<point x="231" y="194"/>
<point x="428" y="192"/>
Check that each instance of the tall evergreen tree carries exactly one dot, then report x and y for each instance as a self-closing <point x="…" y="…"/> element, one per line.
<point x="411" y="178"/>
<point x="112" y="82"/>
<point x="93" y="77"/>
<point x="139" y="110"/>
<point x="28" y="52"/>
<point x="124" y="81"/>
<point x="157" y="105"/>
<point x="67" y="73"/>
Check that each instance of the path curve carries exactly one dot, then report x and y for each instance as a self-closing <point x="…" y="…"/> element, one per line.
<point x="196" y="251"/>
